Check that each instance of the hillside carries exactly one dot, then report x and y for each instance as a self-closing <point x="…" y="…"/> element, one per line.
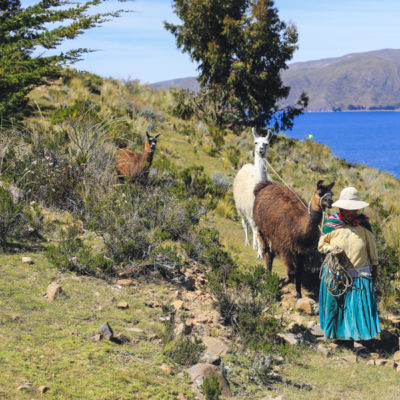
<point x="151" y="259"/>
<point x="358" y="81"/>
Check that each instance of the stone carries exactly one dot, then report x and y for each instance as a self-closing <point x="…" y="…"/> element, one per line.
<point x="27" y="260"/>
<point x="123" y="305"/>
<point x="26" y="387"/>
<point x="274" y="398"/>
<point x="215" y="346"/>
<point x="135" y="330"/>
<point x="43" y="389"/>
<point x="384" y="362"/>
<point x="210" y="358"/>
<point x="178" y="304"/>
<point x="125" y="282"/>
<point x="288" y="338"/>
<point x="306" y="305"/>
<point x="53" y="290"/>
<point x="198" y="372"/>
<point x="97" y="338"/>
<point x="316" y="331"/>
<point x="184" y="328"/>
<point x="166" y="369"/>
<point x="333" y="346"/>
<point x="323" y="350"/>
<point x="181" y="396"/>
<point x="120" y="338"/>
<point x="375" y="356"/>
<point x="106" y="330"/>
<point x="371" y="362"/>
<point x="351" y="359"/>
<point x="396" y="356"/>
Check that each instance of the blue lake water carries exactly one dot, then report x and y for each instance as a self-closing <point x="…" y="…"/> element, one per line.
<point x="369" y="138"/>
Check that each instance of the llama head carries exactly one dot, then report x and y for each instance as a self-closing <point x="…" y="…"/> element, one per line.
<point x="151" y="142"/>
<point x="261" y="142"/>
<point x="324" y="194"/>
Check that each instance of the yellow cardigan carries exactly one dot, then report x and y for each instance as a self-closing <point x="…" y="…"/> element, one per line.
<point x="357" y="242"/>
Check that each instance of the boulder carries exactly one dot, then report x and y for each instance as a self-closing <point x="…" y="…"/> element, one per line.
<point x="215" y="346"/>
<point x="125" y="282"/>
<point x="289" y="338"/>
<point x="307" y="305"/>
<point x="198" y="372"/>
<point x="123" y="305"/>
<point x="53" y="290"/>
<point x="27" y="260"/>
<point x="106" y="330"/>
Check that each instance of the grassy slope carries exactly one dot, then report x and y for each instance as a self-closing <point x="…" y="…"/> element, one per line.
<point x="48" y="343"/>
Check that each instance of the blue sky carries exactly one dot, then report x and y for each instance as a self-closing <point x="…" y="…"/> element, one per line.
<point x="136" y="46"/>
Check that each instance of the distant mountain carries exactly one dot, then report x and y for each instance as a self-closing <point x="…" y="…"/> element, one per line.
<point x="357" y="81"/>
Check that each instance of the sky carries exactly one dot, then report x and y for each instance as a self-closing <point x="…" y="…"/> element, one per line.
<point x="137" y="46"/>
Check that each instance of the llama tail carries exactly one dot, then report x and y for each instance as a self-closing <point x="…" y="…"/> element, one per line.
<point x="261" y="186"/>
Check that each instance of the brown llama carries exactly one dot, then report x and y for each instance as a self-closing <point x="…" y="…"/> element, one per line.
<point x="287" y="227"/>
<point x="134" y="166"/>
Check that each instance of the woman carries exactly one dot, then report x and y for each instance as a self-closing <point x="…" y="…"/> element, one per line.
<point x="354" y="314"/>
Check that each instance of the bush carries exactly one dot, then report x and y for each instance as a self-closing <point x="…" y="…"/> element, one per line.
<point x="11" y="217"/>
<point x="211" y="387"/>
<point x="71" y="254"/>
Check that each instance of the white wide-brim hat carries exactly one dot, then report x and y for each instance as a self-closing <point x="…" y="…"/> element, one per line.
<point x="349" y="200"/>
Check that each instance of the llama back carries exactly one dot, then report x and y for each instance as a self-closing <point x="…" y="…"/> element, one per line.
<point x="243" y="195"/>
<point x="127" y="161"/>
<point x="277" y="211"/>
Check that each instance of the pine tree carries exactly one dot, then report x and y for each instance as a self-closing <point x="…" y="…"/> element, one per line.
<point x="26" y="34"/>
<point x="240" y="47"/>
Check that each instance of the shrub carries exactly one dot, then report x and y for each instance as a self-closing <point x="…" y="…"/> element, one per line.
<point x="72" y="254"/>
<point x="211" y="387"/>
<point x="11" y="217"/>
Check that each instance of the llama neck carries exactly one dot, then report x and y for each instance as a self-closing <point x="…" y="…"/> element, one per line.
<point x="260" y="168"/>
<point x="147" y="158"/>
<point x="312" y="220"/>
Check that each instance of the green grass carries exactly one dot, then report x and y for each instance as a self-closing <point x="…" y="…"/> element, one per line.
<point x="50" y="343"/>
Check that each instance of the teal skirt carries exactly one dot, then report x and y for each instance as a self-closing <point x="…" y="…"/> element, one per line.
<point x="354" y="315"/>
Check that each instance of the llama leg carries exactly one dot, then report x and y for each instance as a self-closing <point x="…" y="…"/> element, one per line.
<point x="290" y="268"/>
<point x="259" y="253"/>
<point x="299" y="274"/>
<point x="246" y="233"/>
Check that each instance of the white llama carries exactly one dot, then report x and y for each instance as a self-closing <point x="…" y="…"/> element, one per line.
<point x="243" y="186"/>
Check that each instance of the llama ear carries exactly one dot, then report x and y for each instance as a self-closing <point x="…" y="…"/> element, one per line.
<point x="254" y="132"/>
<point x="158" y="134"/>
<point x="147" y="134"/>
<point x="331" y="185"/>
<point x="269" y="135"/>
<point x="319" y="183"/>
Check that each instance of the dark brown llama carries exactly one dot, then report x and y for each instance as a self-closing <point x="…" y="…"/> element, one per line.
<point x="287" y="227"/>
<point x="134" y="166"/>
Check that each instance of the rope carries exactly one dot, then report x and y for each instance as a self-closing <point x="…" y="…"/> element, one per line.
<point x="301" y="200"/>
<point x="335" y="275"/>
<point x="287" y="185"/>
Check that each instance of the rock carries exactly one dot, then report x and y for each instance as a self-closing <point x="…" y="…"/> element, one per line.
<point x="27" y="260"/>
<point x="181" y="396"/>
<point x="323" y="350"/>
<point x="120" y="338"/>
<point x="333" y="346"/>
<point x="289" y="338"/>
<point x="123" y="305"/>
<point x="26" y="387"/>
<point x="178" y="304"/>
<point x="351" y="359"/>
<point x="210" y="358"/>
<point x="396" y="356"/>
<point x="316" y="331"/>
<point x="375" y="356"/>
<point x="215" y="346"/>
<point x="371" y="362"/>
<point x="274" y="398"/>
<point x="153" y="304"/>
<point x="106" y="330"/>
<point x="166" y="369"/>
<point x="384" y="362"/>
<point x="198" y="372"/>
<point x="307" y="305"/>
<point x="53" y="290"/>
<point x="43" y="389"/>
<point x="184" y="328"/>
<point x="135" y="330"/>
<point x="125" y="282"/>
<point x="97" y="337"/>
